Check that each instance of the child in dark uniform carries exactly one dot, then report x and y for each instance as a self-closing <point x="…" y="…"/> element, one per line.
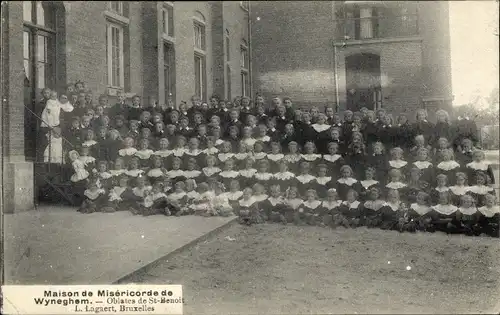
<point x="351" y="209"/>
<point x="480" y="188"/>
<point x="371" y="214"/>
<point x="444" y="214"/>
<point x="489" y="216"/>
<point x="368" y="183"/>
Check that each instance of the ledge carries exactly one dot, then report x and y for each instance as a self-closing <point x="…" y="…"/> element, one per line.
<point x="116" y="17"/>
<point x="342" y="43"/>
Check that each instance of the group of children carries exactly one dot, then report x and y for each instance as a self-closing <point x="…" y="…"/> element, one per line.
<point x="281" y="164"/>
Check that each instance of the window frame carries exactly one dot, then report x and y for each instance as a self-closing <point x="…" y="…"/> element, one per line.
<point x="169" y="62"/>
<point x="109" y="54"/>
<point x="244" y="5"/>
<point x="202" y="80"/>
<point x="120" y="7"/>
<point x="245" y="82"/>
<point x="244" y="56"/>
<point x="168" y="25"/>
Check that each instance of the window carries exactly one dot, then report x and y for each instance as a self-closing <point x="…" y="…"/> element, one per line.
<point x="228" y="47"/>
<point x="199" y="36"/>
<point x="114" y="53"/>
<point x="39" y="44"/>
<point x="168" y="20"/>
<point x="116" y="6"/>
<point x="169" y="71"/>
<point x="200" y="76"/>
<point x="245" y="84"/>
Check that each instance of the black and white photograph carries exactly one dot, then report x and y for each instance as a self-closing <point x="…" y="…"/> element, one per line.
<point x="271" y="157"/>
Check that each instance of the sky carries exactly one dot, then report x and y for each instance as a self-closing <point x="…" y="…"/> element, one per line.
<point x="474" y="48"/>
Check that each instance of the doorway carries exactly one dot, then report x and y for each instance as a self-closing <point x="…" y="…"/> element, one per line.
<point x="363" y="84"/>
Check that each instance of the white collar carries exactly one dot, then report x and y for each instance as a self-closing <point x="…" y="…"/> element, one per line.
<point x="422" y="164"/>
<point x="211" y="150"/>
<point x="163" y="153"/>
<point x="264" y="138"/>
<point x="311" y="156"/>
<point x="93" y="195"/>
<point x="374" y="204"/>
<point x="139" y="192"/>
<point x="259" y="155"/>
<point x="306" y="178"/>
<point x="352" y="205"/>
<point x="247" y="203"/>
<point x="323" y="180"/>
<point x="228" y="174"/>
<point x="192" y="174"/>
<point x="397" y="163"/>
<point x="193" y="194"/>
<point x="393" y="206"/>
<point x="175" y="173"/>
<point x="368" y="183"/>
<point x="448" y="165"/>
<point x="284" y="175"/>
<point x="331" y="204"/>
<point x="312" y="204"/>
<point x="134" y="173"/>
<point x="273" y="129"/>
<point x="331" y="158"/>
<point x="209" y="171"/>
<point x="241" y="156"/>
<point x="234" y="195"/>
<point x="459" y="190"/>
<point x="480" y="190"/>
<point x="144" y="154"/>
<point x="275" y="157"/>
<point x="489" y="212"/>
<point x="263" y="176"/>
<point x="442" y="189"/>
<point x="89" y="143"/>
<point x="155" y="172"/>
<point x="193" y="153"/>
<point x="347" y="181"/>
<point x="482" y="166"/>
<point x="320" y="128"/>
<point x="117" y="172"/>
<point x="294" y="203"/>
<point x="248" y="172"/>
<point x="420" y="209"/>
<point x="445" y="209"/>
<point x="225" y="156"/>
<point x="176" y="195"/>
<point x="395" y="185"/>
<point x="127" y="151"/>
<point x="293" y="157"/>
<point x="274" y="201"/>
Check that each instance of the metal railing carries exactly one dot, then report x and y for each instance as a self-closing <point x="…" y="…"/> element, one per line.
<point x="376" y="27"/>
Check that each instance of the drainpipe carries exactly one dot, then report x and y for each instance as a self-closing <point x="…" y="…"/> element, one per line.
<point x="335" y="72"/>
<point x="250" y="70"/>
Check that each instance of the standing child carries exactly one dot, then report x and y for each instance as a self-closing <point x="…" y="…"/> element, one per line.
<point x="293" y="156"/>
<point x="322" y="181"/>
<point x="275" y="156"/>
<point x="423" y="164"/>
<point x="133" y="168"/>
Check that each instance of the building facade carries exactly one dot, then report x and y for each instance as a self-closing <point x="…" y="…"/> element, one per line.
<point x="353" y="54"/>
<point x="164" y="50"/>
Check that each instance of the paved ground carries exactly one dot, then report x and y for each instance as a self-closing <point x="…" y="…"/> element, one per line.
<point x="274" y="269"/>
<point x="57" y="245"/>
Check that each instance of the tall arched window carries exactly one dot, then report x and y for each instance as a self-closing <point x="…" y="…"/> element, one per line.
<point x="200" y="67"/>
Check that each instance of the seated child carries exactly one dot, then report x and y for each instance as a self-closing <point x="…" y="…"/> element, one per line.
<point x="392" y="210"/>
<point x="258" y="151"/>
<point x="247" y="174"/>
<point x="310" y="154"/>
<point x="417" y="217"/>
<point x="263" y="175"/>
<point x="310" y="211"/>
<point x="94" y="200"/>
<point x="117" y="195"/>
<point x="293" y="156"/>
<point x="163" y="148"/>
<point x="396" y="181"/>
<point x="210" y="170"/>
<point x="489" y="216"/>
<point x="103" y="177"/>
<point x="351" y="209"/>
<point x="228" y="174"/>
<point x="322" y="182"/>
<point x="133" y="168"/>
<point x="479" y="164"/>
<point x="371" y="212"/>
<point x="292" y="204"/>
<point x="262" y="134"/>
<point x="118" y="168"/>
<point x="202" y="205"/>
<point x="459" y="189"/>
<point x="155" y="202"/>
<point x="396" y="161"/>
<point x="220" y="202"/>
<point x="246" y="136"/>
<point x="333" y="159"/>
<point x="115" y="143"/>
<point x="144" y="153"/>
<point x="304" y="179"/>
<point x="275" y="156"/>
<point x="274" y="206"/>
<point x="242" y="154"/>
<point x="193" y="149"/>
<point x="178" y="199"/>
<point x="86" y="158"/>
<point x="368" y="183"/>
<point x="176" y="173"/>
<point x="225" y="152"/>
<point x="441" y="186"/>
<point x="192" y="169"/>
<point x="467" y="216"/>
<point x="346" y="182"/>
<point x="191" y="194"/>
<point x="157" y="170"/>
<point x="465" y="155"/>
<point x="481" y="188"/>
<point x="444" y="214"/>
<point x="378" y="160"/>
<point x="447" y="165"/>
<point x="234" y="194"/>
<point x="180" y="146"/>
<point x="210" y="146"/>
<point x="423" y="164"/>
<point x="128" y="147"/>
<point x="249" y="212"/>
<point x="283" y="177"/>
<point x="141" y="190"/>
<point x="416" y="185"/>
<point x="330" y="210"/>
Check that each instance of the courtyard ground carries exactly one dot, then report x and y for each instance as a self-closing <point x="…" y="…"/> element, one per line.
<point x="275" y="269"/>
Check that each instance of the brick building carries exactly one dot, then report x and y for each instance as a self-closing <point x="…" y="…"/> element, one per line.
<point x="350" y="54"/>
<point x="158" y="49"/>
